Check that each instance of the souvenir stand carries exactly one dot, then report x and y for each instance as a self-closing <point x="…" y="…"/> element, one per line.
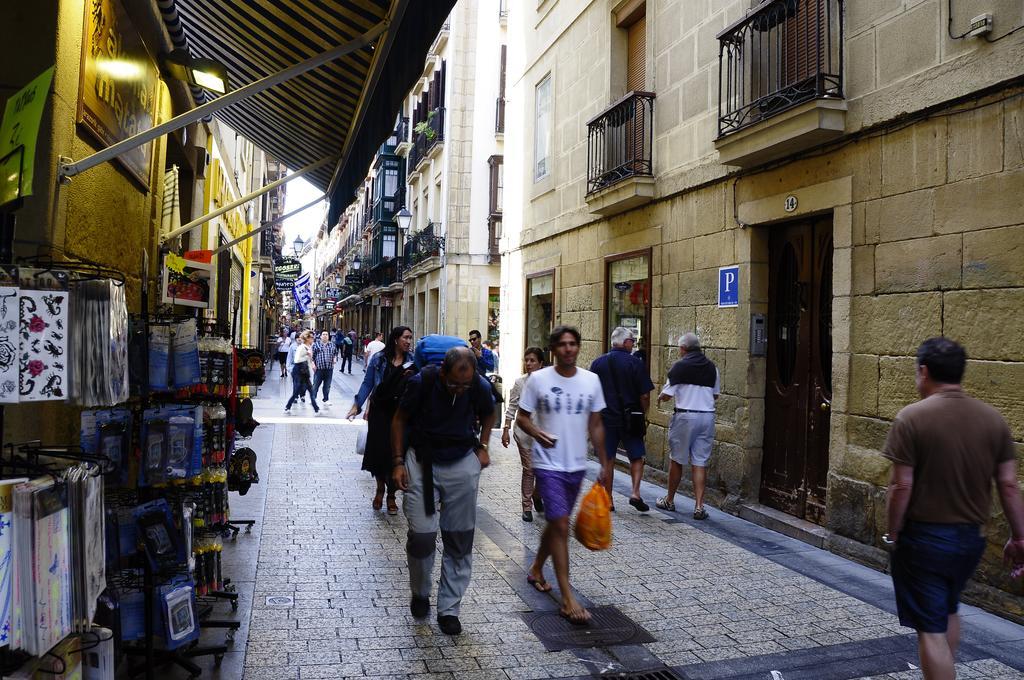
<point x="111" y="547"/>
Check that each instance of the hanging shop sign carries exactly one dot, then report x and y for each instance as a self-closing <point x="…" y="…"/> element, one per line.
<point x="119" y="81"/>
<point x="186" y="282"/>
<point x="353" y="279"/>
<point x="18" y="132"/>
<point x="387" y="302"/>
<point x="284" y="284"/>
<point x="289" y="269"/>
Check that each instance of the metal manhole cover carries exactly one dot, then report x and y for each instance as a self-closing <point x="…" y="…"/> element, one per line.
<point x="280" y="600"/>
<point x="608" y="626"/>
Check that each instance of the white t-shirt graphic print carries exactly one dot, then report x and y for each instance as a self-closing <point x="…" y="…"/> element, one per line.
<point x="562" y="407"/>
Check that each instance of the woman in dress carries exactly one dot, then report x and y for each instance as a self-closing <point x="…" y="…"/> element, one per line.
<point x="301" y="371"/>
<point x="383" y="384"/>
<point x="533" y="359"/>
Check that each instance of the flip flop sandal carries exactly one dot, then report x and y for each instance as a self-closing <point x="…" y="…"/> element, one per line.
<point x="539" y="584"/>
<point x="664" y="504"/>
<point x="700" y="513"/>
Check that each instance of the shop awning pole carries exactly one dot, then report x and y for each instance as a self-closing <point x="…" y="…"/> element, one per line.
<point x="72" y="168"/>
<point x="245" y="199"/>
<point x="268" y="224"/>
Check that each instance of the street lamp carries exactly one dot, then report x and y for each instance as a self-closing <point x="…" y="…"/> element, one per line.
<point x="356" y="263"/>
<point x="404" y="218"/>
<point x="298" y="245"/>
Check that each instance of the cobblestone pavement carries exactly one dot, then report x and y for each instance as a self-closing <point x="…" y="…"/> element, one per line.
<point x="722" y="598"/>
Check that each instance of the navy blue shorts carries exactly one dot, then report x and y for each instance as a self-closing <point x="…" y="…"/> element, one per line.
<point x="634" y="445"/>
<point x="930" y="567"/>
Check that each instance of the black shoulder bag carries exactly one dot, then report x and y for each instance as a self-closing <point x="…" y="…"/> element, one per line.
<point x="634" y="421"/>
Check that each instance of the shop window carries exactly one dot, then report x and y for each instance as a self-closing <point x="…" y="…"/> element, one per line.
<point x="542" y="130"/>
<point x="629" y="295"/>
<point x="540" y="309"/>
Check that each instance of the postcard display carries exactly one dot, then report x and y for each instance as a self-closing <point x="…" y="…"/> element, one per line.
<point x="134" y="520"/>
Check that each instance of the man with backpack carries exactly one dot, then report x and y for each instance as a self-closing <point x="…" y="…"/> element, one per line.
<point x="438" y="413"/>
<point x="627" y="392"/>
<point x="347" y="349"/>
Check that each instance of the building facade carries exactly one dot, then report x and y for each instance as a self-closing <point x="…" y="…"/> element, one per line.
<point x="813" y="187"/>
<point x="444" y="165"/>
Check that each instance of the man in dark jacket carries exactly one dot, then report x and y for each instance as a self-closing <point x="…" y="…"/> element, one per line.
<point x="627" y="392"/>
<point x="440" y="476"/>
<point x="694" y="383"/>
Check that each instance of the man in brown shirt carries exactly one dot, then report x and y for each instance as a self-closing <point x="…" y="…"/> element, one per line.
<point x="946" y="451"/>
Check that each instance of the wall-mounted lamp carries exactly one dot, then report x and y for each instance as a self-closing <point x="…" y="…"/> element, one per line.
<point x="205" y="73"/>
<point x="404" y="218"/>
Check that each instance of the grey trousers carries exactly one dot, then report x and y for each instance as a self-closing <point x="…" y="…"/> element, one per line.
<point x="455" y="491"/>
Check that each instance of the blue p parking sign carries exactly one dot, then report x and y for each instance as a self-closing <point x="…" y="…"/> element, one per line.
<point x="729" y="286"/>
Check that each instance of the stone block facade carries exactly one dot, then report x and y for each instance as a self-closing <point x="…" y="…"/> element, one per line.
<point x="927" y="233"/>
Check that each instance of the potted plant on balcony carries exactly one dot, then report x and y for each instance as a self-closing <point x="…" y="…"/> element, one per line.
<point x="423" y="127"/>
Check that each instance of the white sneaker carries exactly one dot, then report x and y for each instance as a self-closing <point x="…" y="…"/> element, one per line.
<point x="326" y="403"/>
<point x="318" y="413"/>
<point x="287" y="411"/>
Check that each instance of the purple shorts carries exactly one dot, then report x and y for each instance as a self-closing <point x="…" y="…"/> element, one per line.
<point x="558" y="490"/>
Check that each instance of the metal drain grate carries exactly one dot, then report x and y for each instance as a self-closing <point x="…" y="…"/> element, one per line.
<point x="280" y="601"/>
<point x="608" y="626"/>
<point x="663" y="674"/>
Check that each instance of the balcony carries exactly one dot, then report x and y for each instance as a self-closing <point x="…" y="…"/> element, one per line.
<point x="494" y="239"/>
<point x="499" y="116"/>
<point x="404" y="141"/>
<point x="385" y="273"/>
<point x="426" y="144"/>
<point x="780" y="81"/>
<point x="620" y="171"/>
<point x="423" y="247"/>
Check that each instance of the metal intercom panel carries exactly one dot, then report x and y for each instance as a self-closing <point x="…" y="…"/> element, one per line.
<point x="758" y="336"/>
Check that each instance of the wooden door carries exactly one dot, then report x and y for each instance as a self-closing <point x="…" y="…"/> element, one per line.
<point x="798" y="394"/>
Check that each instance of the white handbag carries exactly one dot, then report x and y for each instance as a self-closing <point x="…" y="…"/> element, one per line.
<point x="361" y="438"/>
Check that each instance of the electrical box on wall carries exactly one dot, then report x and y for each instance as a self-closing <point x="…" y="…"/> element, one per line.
<point x="981" y="25"/>
<point x="758" y="336"/>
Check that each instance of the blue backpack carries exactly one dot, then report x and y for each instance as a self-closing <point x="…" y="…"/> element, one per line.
<point x="430" y="349"/>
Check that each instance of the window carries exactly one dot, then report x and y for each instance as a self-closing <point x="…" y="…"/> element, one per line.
<point x="629" y="295"/>
<point x="542" y="130"/>
<point x="496" y="164"/>
<point x="540" y="309"/>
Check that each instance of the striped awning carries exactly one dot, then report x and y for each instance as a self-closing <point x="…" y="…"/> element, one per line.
<point x="346" y="108"/>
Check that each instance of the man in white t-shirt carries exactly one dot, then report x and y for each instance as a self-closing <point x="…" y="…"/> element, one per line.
<point x="559" y="407"/>
<point x="695" y="384"/>
<point x="374" y="346"/>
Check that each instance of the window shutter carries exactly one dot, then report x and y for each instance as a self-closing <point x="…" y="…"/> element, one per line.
<point x="636" y="56"/>
<point x="803" y="53"/>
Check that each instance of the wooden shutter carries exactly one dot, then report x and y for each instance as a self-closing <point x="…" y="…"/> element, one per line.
<point x="636" y="55"/>
<point x="803" y="52"/>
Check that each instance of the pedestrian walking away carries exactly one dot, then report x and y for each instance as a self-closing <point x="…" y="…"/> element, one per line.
<point x="372" y="347"/>
<point x="627" y="393"/>
<point x="533" y="359"/>
<point x="381" y="389"/>
<point x="325" y="353"/>
<point x="484" y="356"/>
<point x="946" y="451"/>
<point x="283" y="343"/>
<point x="301" y="372"/>
<point x="439" y="474"/>
<point x="290" y="363"/>
<point x="348" y="343"/>
<point x="694" y="384"/>
<point x="559" y="408"/>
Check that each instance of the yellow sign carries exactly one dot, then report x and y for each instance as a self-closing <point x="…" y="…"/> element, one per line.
<point x="18" y="132"/>
<point x="223" y="194"/>
<point x="117" y="93"/>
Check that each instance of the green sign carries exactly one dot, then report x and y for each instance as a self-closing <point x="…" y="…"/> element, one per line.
<point x="18" y="132"/>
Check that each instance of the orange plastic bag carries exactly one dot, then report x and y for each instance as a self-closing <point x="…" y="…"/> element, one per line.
<point x="594" y="521"/>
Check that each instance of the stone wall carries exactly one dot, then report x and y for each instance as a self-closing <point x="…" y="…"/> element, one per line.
<point x="928" y="240"/>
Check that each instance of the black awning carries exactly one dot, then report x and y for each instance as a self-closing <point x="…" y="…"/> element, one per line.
<point x="318" y="114"/>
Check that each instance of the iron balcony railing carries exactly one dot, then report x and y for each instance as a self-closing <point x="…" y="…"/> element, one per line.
<point x="499" y="115"/>
<point x="385" y="273"/>
<point x="423" y="142"/>
<point x="398" y="135"/>
<point x="781" y="54"/>
<point x="423" y="245"/>
<point x="620" y="141"/>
